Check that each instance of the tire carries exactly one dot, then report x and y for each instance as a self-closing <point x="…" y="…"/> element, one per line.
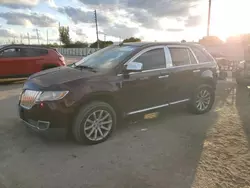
<point x="85" y="123"/>
<point x="202" y="100"/>
<point x="48" y="67"/>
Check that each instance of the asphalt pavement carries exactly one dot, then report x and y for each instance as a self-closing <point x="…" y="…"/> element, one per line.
<point x="170" y="151"/>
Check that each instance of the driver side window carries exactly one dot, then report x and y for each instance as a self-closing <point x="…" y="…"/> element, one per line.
<point x="152" y="59"/>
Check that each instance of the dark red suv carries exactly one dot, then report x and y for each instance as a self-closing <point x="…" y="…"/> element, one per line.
<point x="89" y="97"/>
<point x="24" y="60"/>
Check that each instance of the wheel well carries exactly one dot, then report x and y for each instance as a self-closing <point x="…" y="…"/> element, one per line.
<point x="209" y="82"/>
<point x="103" y="98"/>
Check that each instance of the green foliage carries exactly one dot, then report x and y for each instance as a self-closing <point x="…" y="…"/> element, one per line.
<point x="64" y="35"/>
<point x="102" y="44"/>
<point x="132" y="39"/>
<point x="78" y="44"/>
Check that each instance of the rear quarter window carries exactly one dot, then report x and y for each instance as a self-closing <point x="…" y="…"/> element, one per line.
<point x="201" y="55"/>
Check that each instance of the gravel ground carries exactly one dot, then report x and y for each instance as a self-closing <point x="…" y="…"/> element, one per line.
<point x="176" y="150"/>
<point x="225" y="160"/>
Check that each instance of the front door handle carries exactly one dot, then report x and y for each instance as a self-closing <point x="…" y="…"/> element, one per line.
<point x="198" y="70"/>
<point x="164" y="76"/>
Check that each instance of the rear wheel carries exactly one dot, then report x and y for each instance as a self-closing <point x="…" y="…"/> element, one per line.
<point x="94" y="123"/>
<point x="202" y="100"/>
<point x="45" y="67"/>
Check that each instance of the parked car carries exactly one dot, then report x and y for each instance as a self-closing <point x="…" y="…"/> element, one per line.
<point x="24" y="60"/>
<point x="243" y="73"/>
<point x="90" y="96"/>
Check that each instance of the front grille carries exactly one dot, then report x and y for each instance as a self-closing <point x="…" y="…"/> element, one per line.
<point x="28" y="98"/>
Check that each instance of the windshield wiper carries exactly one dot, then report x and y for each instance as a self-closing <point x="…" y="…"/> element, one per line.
<point x="85" y="67"/>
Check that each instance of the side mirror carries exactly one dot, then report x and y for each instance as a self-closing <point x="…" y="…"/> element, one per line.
<point x="134" y="67"/>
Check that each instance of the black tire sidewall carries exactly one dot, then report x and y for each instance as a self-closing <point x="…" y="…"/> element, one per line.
<point x="83" y="114"/>
<point x="193" y="105"/>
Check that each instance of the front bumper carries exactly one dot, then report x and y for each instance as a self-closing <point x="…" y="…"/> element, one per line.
<point x="49" y="115"/>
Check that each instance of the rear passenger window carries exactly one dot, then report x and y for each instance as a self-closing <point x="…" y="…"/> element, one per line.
<point x="31" y="52"/>
<point x="201" y="55"/>
<point x="180" y="56"/>
<point x="152" y="59"/>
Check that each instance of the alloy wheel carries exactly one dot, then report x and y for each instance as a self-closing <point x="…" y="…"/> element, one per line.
<point x="98" y="125"/>
<point x="203" y="100"/>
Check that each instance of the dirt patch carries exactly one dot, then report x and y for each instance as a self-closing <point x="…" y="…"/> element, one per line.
<point x="225" y="161"/>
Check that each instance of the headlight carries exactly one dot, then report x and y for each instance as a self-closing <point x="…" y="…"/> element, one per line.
<point x="51" y="95"/>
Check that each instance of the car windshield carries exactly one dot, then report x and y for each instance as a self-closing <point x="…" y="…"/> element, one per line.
<point x="106" y="58"/>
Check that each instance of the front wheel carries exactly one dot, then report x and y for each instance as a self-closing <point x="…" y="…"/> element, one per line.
<point x="202" y="100"/>
<point x="94" y="123"/>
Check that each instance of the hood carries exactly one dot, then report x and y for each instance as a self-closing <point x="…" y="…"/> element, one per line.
<point x="60" y="75"/>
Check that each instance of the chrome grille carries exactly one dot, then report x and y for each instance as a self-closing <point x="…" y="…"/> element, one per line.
<point x="28" y="98"/>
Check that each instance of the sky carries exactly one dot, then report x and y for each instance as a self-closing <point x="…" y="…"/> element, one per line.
<point x="150" y="20"/>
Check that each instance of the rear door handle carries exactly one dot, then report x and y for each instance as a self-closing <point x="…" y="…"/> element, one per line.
<point x="164" y="76"/>
<point x="198" y="70"/>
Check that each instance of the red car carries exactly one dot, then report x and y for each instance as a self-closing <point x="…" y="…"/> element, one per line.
<point x="24" y="60"/>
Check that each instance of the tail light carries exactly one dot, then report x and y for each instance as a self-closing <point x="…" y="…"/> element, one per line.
<point x="61" y="58"/>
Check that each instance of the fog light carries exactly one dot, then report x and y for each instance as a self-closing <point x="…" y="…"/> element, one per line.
<point x="43" y="125"/>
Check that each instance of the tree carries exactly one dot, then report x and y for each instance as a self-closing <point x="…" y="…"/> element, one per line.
<point x="77" y="44"/>
<point x="210" y="40"/>
<point x="132" y="39"/>
<point x="64" y="35"/>
<point x="102" y="44"/>
<point x="183" y="41"/>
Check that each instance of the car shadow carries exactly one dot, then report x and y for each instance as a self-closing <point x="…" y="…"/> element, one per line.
<point x="189" y="131"/>
<point x="243" y="107"/>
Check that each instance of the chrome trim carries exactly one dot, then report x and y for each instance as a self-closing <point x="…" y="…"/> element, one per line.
<point x="181" y="101"/>
<point x="147" y="109"/>
<point x="167" y="54"/>
<point x="198" y="70"/>
<point x="28" y="104"/>
<point x="168" y="58"/>
<point x="197" y="61"/>
<point x="165" y="76"/>
<point x="156" y="107"/>
<point x="36" y="126"/>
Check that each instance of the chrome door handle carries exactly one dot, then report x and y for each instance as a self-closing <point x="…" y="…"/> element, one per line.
<point x="165" y="76"/>
<point x="198" y="70"/>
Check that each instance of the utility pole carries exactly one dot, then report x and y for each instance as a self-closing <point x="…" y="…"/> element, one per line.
<point x="28" y="38"/>
<point x="21" y="38"/>
<point x="59" y="26"/>
<point x="37" y="34"/>
<point x="209" y="15"/>
<point x="96" y="25"/>
<point x="47" y="36"/>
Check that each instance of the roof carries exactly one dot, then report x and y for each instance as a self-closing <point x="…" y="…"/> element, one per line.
<point x="148" y="44"/>
<point x="24" y="45"/>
